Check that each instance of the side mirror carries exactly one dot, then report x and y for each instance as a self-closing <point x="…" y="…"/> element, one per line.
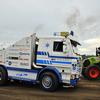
<point x="64" y="43"/>
<point x="65" y="49"/>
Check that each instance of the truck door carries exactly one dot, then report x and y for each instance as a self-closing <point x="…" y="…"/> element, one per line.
<point x="44" y="52"/>
<point x="59" y="57"/>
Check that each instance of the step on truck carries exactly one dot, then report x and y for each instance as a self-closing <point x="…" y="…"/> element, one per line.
<point x="49" y="61"/>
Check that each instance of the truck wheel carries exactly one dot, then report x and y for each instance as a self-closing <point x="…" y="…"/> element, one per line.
<point x="3" y="76"/>
<point x="93" y="72"/>
<point x="83" y="72"/>
<point x="48" y="81"/>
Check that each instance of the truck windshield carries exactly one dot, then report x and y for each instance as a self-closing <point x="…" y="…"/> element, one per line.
<point x="75" y="48"/>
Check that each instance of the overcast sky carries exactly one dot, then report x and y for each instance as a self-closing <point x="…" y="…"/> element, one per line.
<point x="21" y="18"/>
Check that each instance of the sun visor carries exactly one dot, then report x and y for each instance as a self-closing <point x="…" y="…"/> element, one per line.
<point x="75" y="42"/>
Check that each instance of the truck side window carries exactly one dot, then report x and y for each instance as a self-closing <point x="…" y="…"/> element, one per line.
<point x="58" y="46"/>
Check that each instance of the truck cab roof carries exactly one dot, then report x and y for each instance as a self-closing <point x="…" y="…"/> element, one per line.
<point x="52" y="37"/>
<point x="73" y="38"/>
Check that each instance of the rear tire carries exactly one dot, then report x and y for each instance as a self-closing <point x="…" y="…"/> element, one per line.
<point x="49" y="81"/>
<point x="92" y="72"/>
<point x="3" y="76"/>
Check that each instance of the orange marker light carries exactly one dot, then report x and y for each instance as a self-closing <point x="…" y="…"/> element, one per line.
<point x="80" y="60"/>
<point x="72" y="75"/>
<point x="78" y="82"/>
<point x="36" y="37"/>
<point x="72" y="86"/>
<point x="31" y="35"/>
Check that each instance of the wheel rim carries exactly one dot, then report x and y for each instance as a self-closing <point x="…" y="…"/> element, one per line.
<point x="47" y="82"/>
<point x="94" y="72"/>
<point x="0" y="75"/>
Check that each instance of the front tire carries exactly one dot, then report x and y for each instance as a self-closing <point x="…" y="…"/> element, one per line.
<point x="92" y="72"/>
<point x="3" y="76"/>
<point x="49" y="81"/>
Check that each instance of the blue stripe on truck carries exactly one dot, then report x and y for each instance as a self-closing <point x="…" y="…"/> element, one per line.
<point x="47" y="54"/>
<point x="51" y="62"/>
<point x="22" y="79"/>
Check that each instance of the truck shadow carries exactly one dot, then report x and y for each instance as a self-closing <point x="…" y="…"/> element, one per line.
<point x="85" y="85"/>
<point x="30" y="86"/>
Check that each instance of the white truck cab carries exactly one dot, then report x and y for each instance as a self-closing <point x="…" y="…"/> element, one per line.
<point x="47" y="60"/>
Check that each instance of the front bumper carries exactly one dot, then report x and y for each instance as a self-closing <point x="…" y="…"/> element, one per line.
<point x="75" y="81"/>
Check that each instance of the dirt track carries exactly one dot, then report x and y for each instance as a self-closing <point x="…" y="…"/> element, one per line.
<point x="86" y="90"/>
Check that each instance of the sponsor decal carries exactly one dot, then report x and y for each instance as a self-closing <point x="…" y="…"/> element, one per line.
<point x="0" y="61"/>
<point x="21" y="74"/>
<point x="14" y="58"/>
<point x="1" y="56"/>
<point x="23" y="49"/>
<point x="47" y="45"/>
<point x="13" y="45"/>
<point x="7" y="57"/>
<point x="24" y="59"/>
<point x="9" y="63"/>
<point x="65" y="48"/>
<point x="20" y="53"/>
<point x="78" y="70"/>
<point x="98" y="58"/>
<point x="74" y="68"/>
<point x="24" y="64"/>
<point x="14" y="63"/>
<point x="13" y="50"/>
<point x="13" y="53"/>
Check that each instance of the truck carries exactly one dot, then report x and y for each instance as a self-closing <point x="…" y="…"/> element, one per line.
<point x="91" y="66"/>
<point x="48" y="61"/>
